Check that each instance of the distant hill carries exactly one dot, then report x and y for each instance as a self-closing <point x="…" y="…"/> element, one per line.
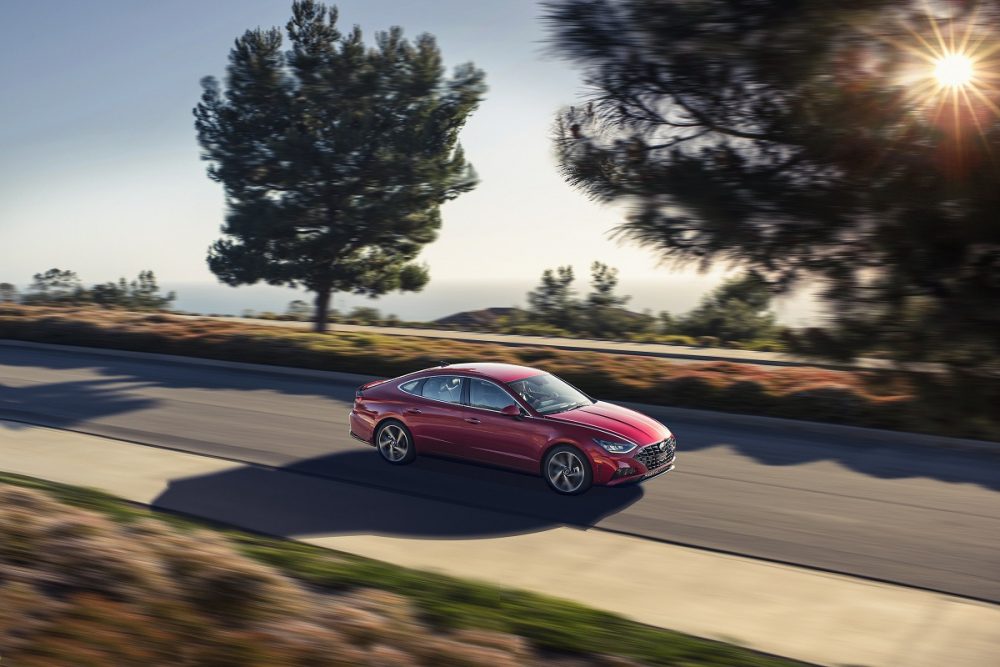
<point x="486" y="318"/>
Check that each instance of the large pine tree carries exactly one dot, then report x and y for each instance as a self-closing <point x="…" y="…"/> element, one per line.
<point x="335" y="157"/>
<point x="806" y="140"/>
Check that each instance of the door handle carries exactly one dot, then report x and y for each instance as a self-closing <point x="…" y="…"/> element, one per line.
<point x="472" y="420"/>
<point x="412" y="411"/>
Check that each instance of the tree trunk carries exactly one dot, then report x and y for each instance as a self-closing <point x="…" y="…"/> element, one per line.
<point x="322" y="310"/>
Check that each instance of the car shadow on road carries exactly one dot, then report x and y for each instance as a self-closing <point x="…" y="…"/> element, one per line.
<point x="355" y="492"/>
<point x="49" y="403"/>
<point x="171" y="372"/>
<point x="774" y="447"/>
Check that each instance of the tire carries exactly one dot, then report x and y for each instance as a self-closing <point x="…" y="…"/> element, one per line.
<point x="394" y="443"/>
<point x="567" y="470"/>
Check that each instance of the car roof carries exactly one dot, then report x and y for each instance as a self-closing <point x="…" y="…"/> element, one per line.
<point x="494" y="371"/>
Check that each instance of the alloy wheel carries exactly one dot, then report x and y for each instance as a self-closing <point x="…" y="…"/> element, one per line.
<point x="393" y="443"/>
<point x="565" y="471"/>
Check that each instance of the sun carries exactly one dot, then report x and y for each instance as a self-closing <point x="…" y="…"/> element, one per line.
<point x="950" y="67"/>
<point x="953" y="70"/>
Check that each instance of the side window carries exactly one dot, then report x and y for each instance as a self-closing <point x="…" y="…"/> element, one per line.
<point x="446" y="388"/>
<point x="483" y="394"/>
<point x="411" y="387"/>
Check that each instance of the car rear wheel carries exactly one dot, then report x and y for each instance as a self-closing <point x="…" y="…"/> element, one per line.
<point x="394" y="443"/>
<point x="567" y="470"/>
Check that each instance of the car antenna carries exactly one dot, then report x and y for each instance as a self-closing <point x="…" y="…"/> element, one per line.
<point x="443" y="363"/>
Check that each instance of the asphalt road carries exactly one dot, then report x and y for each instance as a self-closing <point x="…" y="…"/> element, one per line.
<point x="907" y="515"/>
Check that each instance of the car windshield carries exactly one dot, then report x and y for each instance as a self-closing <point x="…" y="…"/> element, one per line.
<point x="548" y="394"/>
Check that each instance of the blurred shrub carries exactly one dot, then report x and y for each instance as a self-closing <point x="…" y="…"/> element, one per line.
<point x="364" y="315"/>
<point x="532" y="355"/>
<point x="690" y="391"/>
<point x="764" y="345"/>
<point x="678" y="340"/>
<point x="829" y="403"/>
<point x="535" y="329"/>
<point x="747" y="396"/>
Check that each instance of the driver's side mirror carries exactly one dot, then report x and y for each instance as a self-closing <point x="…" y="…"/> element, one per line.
<point x="511" y="411"/>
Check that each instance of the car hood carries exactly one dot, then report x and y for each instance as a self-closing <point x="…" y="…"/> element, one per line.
<point x="629" y="424"/>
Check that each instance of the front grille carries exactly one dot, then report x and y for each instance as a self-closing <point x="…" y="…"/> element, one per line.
<point x="657" y="454"/>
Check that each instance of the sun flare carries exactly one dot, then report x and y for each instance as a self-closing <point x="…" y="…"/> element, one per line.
<point x="950" y="68"/>
<point x="954" y="70"/>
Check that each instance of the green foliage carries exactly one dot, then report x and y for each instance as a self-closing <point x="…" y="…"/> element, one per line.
<point x="552" y="302"/>
<point x="601" y="313"/>
<point x="535" y="329"/>
<point x="55" y="286"/>
<point x="666" y="322"/>
<point x="603" y="281"/>
<point x="298" y="310"/>
<point x="364" y="315"/>
<point x="335" y="158"/>
<point x="604" y="312"/>
<point x="143" y="293"/>
<point x="784" y="138"/>
<point x="736" y="311"/>
<point x="8" y="293"/>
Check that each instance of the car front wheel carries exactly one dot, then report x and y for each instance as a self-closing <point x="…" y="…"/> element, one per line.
<point x="567" y="470"/>
<point x="394" y="443"/>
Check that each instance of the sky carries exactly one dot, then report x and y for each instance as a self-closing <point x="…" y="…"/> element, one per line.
<point x="100" y="170"/>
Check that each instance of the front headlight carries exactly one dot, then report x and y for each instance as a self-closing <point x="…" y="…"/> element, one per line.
<point x="615" y="446"/>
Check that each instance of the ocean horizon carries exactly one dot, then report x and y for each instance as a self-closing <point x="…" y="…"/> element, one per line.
<point x="676" y="294"/>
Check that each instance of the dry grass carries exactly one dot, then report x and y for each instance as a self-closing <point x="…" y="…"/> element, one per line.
<point x="91" y="580"/>
<point x="77" y="588"/>
<point x="949" y="405"/>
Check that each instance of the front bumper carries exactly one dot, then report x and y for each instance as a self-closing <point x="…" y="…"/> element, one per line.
<point x="643" y="463"/>
<point x="640" y="476"/>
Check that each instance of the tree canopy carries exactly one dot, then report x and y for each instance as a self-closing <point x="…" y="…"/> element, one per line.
<point x="8" y="293"/>
<point x="553" y="301"/>
<point x="143" y="293"/>
<point x="55" y="286"/>
<point x="600" y="313"/>
<point x="335" y="157"/>
<point x="738" y="310"/>
<point x="59" y="287"/>
<point x="803" y="140"/>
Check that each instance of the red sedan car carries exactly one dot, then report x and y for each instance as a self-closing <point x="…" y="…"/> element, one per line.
<point x="515" y="417"/>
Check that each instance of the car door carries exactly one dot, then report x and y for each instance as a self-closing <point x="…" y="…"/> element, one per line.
<point x="495" y="438"/>
<point x="435" y="414"/>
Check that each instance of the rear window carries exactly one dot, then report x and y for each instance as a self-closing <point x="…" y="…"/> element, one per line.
<point x="412" y="387"/>
<point x="447" y="388"/>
